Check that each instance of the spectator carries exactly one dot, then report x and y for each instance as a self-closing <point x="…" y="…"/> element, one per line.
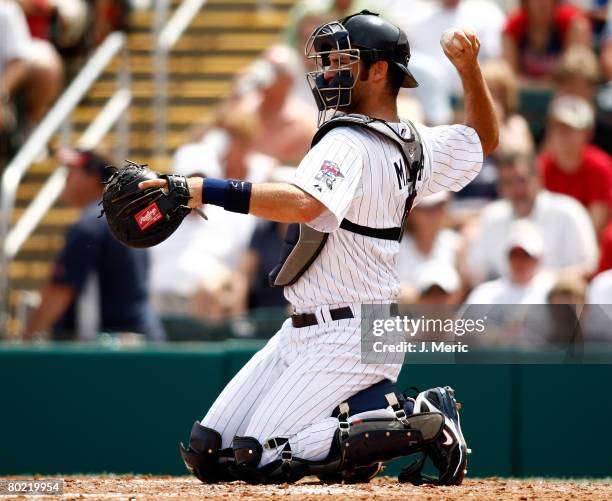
<point x="599" y="313"/>
<point x="306" y="26"/>
<point x="605" y="257"/>
<point x="557" y="324"/>
<point x="597" y="12"/>
<point x="425" y="21"/>
<point x="514" y="134"/>
<point x="606" y="49"/>
<point x="325" y="10"/>
<point x="98" y="284"/>
<point x="438" y="283"/>
<point x="568" y="289"/>
<point x="604" y="96"/>
<point x="257" y="263"/>
<point x="31" y="76"/>
<point x="211" y="247"/>
<point x="569" y="239"/>
<point x="523" y="282"/>
<point x="265" y="90"/>
<point x="537" y="33"/>
<point x="600" y="289"/>
<point x="572" y="166"/>
<point x="578" y="74"/>
<point x="426" y="240"/>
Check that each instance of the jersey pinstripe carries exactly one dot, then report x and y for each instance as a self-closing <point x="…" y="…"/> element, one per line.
<point x="365" y="185"/>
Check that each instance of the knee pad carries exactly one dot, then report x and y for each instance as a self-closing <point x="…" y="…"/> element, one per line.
<point x="202" y="455"/>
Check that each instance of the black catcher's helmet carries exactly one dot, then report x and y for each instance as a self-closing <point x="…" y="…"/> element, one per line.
<point x="363" y="36"/>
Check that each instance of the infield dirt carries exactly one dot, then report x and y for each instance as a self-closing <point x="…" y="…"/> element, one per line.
<point x="128" y="487"/>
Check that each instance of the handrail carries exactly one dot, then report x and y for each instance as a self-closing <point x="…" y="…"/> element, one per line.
<point x="22" y="161"/>
<point x="166" y="38"/>
<point x="54" y="185"/>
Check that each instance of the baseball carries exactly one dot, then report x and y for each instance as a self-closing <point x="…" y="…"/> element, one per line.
<point x="449" y="36"/>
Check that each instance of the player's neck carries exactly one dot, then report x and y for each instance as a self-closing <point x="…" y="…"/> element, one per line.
<point x="386" y="110"/>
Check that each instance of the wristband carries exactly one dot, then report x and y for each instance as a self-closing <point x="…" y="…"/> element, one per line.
<point x="232" y="195"/>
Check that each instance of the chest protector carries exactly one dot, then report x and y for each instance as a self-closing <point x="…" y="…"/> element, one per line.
<point x="303" y="244"/>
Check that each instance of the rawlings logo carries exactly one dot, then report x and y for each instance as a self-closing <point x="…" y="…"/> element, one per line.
<point x="148" y="216"/>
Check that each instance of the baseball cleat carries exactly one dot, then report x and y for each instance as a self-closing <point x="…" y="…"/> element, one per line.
<point x="449" y="452"/>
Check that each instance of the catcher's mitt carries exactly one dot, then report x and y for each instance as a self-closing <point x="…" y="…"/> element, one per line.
<point x="143" y="218"/>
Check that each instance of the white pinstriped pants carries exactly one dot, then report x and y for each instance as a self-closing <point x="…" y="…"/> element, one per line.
<point x="292" y="385"/>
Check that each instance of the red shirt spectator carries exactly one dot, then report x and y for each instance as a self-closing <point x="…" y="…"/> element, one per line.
<point x="537" y="32"/>
<point x="572" y="166"/>
<point x="605" y="255"/>
<point x="590" y="182"/>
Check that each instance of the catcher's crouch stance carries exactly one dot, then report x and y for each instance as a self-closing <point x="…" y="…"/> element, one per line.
<point x="306" y="404"/>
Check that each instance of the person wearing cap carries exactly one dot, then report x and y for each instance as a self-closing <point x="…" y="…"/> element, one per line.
<point x="426" y="239"/>
<point x="438" y="283"/>
<point x="569" y="239"/>
<point x="523" y="281"/>
<point x="192" y="273"/>
<point x="599" y="311"/>
<point x="97" y="284"/>
<point x="572" y="166"/>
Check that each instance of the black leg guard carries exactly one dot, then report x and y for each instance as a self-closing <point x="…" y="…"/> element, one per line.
<point x="202" y="456"/>
<point x="375" y="441"/>
<point x="247" y="454"/>
<point x="357" y="452"/>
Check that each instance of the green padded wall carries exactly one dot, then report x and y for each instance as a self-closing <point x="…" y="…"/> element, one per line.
<point x="78" y="409"/>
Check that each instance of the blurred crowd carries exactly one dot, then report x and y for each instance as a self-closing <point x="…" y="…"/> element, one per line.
<point x="535" y="227"/>
<point x="42" y="45"/>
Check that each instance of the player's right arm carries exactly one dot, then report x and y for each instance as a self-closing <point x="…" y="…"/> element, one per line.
<point x="478" y="103"/>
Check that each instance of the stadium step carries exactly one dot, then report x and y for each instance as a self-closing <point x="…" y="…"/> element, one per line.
<point x="226" y="19"/>
<point x="222" y="39"/>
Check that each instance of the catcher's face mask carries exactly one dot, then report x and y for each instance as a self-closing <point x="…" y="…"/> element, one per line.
<point x="337" y="67"/>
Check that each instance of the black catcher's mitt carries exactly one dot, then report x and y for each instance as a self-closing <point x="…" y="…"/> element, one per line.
<point x="143" y="218"/>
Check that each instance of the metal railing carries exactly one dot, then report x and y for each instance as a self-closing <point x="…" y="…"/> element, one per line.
<point x="166" y="36"/>
<point x="57" y="118"/>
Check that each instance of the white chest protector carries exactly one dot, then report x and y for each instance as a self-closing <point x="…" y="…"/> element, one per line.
<point x="303" y="244"/>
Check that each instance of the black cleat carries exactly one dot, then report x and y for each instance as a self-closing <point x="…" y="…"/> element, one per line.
<point x="449" y="452"/>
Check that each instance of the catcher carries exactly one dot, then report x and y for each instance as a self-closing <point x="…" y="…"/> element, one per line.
<point x="306" y="404"/>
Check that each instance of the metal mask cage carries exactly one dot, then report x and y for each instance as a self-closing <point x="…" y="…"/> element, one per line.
<point x="331" y="39"/>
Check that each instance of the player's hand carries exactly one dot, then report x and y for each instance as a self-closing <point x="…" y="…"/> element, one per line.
<point x="195" y="189"/>
<point x="466" y="57"/>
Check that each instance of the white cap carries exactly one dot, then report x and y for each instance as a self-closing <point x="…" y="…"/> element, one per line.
<point x="573" y="111"/>
<point x="435" y="199"/>
<point x="526" y="236"/>
<point x="441" y="274"/>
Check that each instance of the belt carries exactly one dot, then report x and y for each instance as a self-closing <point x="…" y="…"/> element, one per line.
<point x="308" y="319"/>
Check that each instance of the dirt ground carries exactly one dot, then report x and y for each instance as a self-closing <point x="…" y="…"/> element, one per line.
<point x="128" y="487"/>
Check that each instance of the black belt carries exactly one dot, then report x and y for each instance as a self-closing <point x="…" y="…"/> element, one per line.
<point x="308" y="319"/>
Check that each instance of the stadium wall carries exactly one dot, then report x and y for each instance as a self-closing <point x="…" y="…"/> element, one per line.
<point x="90" y="409"/>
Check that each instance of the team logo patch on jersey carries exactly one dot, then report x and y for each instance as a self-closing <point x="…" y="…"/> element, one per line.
<point x="148" y="216"/>
<point x="328" y="175"/>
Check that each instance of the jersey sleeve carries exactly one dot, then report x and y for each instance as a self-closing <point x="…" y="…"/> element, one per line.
<point x="453" y="158"/>
<point x="331" y="172"/>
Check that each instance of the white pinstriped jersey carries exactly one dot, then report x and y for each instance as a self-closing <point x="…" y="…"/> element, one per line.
<point x="361" y="176"/>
